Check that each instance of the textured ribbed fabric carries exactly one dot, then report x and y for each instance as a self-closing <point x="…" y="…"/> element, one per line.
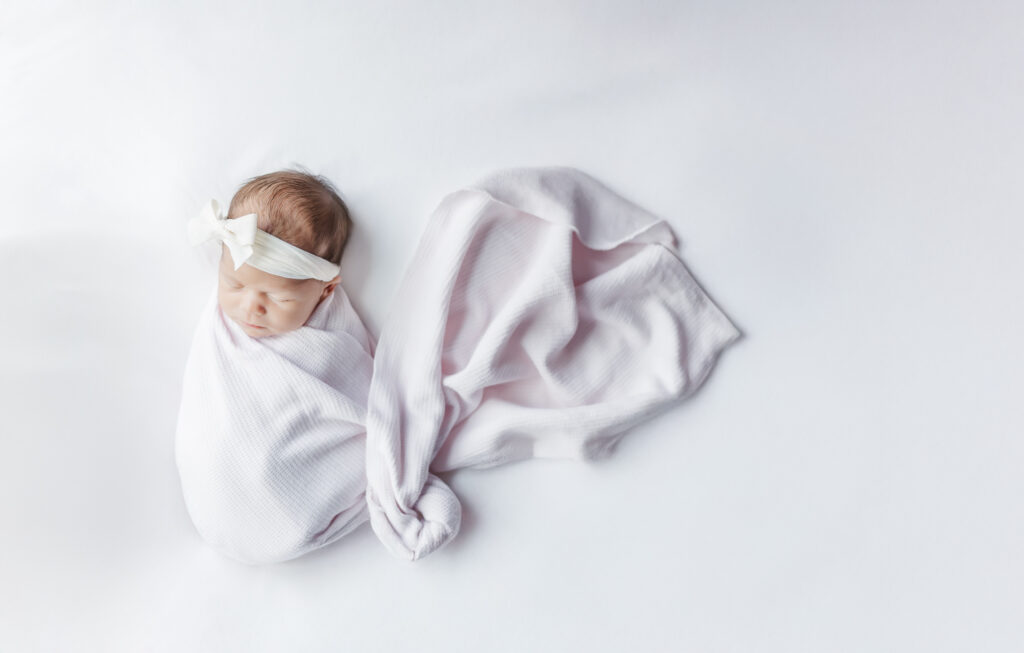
<point x="542" y="316"/>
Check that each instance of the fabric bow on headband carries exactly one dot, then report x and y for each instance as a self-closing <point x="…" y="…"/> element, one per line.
<point x="238" y="234"/>
<point x="249" y="244"/>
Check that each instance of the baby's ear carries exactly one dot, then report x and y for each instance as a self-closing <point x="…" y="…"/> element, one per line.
<point x="329" y="288"/>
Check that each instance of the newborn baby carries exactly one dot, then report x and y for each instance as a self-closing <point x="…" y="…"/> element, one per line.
<point x="302" y="210"/>
<point x="270" y="443"/>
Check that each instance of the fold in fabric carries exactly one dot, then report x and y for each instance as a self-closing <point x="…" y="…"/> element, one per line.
<point x="542" y="316"/>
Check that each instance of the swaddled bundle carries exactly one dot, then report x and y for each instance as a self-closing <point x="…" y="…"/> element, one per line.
<point x="271" y="432"/>
<point x="542" y="316"/>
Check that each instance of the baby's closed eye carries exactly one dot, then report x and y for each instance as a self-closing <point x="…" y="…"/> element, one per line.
<point x="276" y="298"/>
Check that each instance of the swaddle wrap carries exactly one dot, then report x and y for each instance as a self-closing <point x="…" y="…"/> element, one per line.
<point x="542" y="316"/>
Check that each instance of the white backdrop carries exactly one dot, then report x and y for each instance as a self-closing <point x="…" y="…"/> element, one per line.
<point x="844" y="178"/>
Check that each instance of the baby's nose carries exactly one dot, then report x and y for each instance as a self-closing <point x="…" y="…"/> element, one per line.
<point x="252" y="304"/>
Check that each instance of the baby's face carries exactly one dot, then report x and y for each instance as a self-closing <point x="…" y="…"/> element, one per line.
<point x="265" y="304"/>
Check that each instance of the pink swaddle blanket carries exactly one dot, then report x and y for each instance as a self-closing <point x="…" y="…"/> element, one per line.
<point x="542" y="316"/>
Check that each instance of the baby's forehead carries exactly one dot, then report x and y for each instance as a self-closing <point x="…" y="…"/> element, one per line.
<point x="248" y="274"/>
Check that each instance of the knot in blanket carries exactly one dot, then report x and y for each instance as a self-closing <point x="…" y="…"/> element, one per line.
<point x="542" y="316"/>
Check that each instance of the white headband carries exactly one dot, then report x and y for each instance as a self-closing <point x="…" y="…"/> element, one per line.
<point x="251" y="245"/>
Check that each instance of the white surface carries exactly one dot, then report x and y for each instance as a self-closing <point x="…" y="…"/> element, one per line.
<point x="843" y="178"/>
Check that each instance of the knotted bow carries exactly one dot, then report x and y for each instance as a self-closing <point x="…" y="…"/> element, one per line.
<point x="238" y="234"/>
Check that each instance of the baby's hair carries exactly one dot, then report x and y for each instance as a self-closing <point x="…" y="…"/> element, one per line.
<point x="298" y="207"/>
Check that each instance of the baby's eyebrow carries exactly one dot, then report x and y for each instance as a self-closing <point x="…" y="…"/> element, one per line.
<point x="290" y="288"/>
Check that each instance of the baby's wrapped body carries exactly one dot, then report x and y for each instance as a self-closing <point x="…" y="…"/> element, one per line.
<point x="271" y="432"/>
<point x="542" y="316"/>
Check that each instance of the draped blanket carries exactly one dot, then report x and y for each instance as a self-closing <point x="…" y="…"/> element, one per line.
<point x="542" y="316"/>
